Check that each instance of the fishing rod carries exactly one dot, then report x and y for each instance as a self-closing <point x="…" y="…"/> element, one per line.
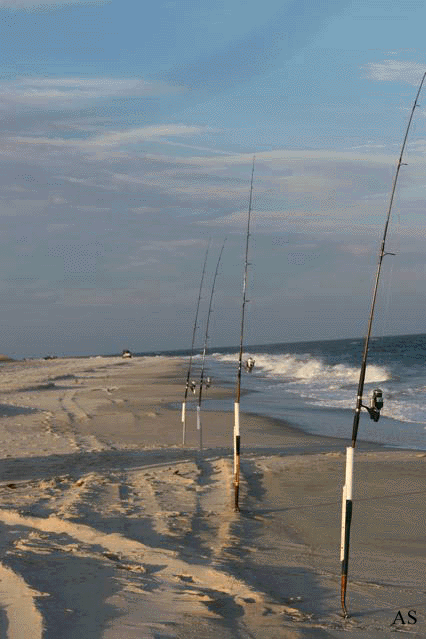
<point x="200" y="390"/>
<point x="376" y="402"/>
<point x="192" y="348"/>
<point x="237" y="439"/>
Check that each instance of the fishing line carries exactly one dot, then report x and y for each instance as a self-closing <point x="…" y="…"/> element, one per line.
<point x="194" y="331"/>
<point x="388" y="298"/>
<point x="203" y="360"/>
<point x="250" y="363"/>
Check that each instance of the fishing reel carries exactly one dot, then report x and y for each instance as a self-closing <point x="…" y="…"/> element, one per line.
<point x="376" y="404"/>
<point x="206" y="383"/>
<point x="250" y="364"/>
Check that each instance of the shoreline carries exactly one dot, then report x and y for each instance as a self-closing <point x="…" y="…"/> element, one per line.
<point x="364" y="443"/>
<point x="217" y="392"/>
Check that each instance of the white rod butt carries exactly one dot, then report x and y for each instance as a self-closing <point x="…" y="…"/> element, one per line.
<point x="349" y="472"/>
<point x="236" y="419"/>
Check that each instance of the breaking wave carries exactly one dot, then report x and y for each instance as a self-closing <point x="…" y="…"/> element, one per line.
<point x="311" y="384"/>
<point x="308" y="369"/>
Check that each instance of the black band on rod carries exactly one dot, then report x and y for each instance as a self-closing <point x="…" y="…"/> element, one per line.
<point x="348" y="520"/>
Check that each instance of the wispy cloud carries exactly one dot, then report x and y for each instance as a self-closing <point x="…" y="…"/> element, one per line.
<point x="134" y="136"/>
<point x="144" y="209"/>
<point x="172" y="246"/>
<point x="59" y="93"/>
<point x="267" y="221"/>
<point x="53" y="228"/>
<point x="43" y="4"/>
<point x="286" y="157"/>
<point x="368" y="145"/>
<point x="395" y="71"/>
<point x="115" y="139"/>
<point x="24" y="207"/>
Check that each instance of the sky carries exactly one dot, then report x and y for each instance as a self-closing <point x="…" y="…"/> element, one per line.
<point x="127" y="136"/>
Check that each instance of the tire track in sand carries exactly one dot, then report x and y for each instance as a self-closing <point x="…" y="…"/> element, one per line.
<point x="73" y="414"/>
<point x="194" y="580"/>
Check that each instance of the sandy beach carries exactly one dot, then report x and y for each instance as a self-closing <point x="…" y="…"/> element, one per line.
<point x="110" y="529"/>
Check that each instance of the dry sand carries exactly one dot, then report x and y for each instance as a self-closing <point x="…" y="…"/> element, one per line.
<point x="111" y="530"/>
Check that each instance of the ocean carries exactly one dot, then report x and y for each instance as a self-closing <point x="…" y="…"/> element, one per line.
<point x="313" y="386"/>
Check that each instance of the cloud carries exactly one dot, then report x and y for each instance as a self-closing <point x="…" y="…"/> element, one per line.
<point x="26" y="207"/>
<point x="172" y="246"/>
<point x="53" y="228"/>
<point x="144" y="209"/>
<point x="136" y="263"/>
<point x="44" y="4"/>
<point x="310" y="184"/>
<point x="268" y="221"/>
<point x="133" y="136"/>
<point x="115" y="139"/>
<point x="367" y="146"/>
<point x="356" y="249"/>
<point x="93" y="209"/>
<point x="395" y="71"/>
<point x="319" y="191"/>
<point x="56" y="199"/>
<point x="59" y="93"/>
<point x="274" y="160"/>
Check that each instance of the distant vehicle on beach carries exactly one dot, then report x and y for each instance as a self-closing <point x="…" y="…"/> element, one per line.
<point x="126" y="354"/>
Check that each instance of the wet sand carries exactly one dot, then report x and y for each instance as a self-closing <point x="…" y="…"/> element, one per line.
<point x="111" y="529"/>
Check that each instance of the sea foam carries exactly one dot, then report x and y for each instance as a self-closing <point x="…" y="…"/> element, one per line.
<point x="305" y="368"/>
